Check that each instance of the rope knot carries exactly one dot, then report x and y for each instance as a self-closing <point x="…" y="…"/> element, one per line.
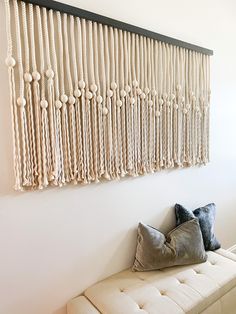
<point x="93" y="88"/>
<point x="64" y="98"/>
<point x="127" y="89"/>
<point x="105" y="111"/>
<point x="135" y="84"/>
<point x="139" y="91"/>
<point x="58" y="104"/>
<point x="49" y="73"/>
<point x="77" y="93"/>
<point x="71" y="100"/>
<point x="119" y="103"/>
<point x="146" y="90"/>
<point x="21" y="102"/>
<point x="113" y="85"/>
<point x="109" y="93"/>
<point x="122" y="93"/>
<point x="28" y="77"/>
<point x="10" y="62"/>
<point x="89" y="95"/>
<point x="153" y="92"/>
<point x="44" y="104"/>
<point x="99" y="99"/>
<point x="36" y="75"/>
<point x="82" y="84"/>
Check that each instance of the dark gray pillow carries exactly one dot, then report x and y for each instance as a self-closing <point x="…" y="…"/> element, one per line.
<point x="206" y="216"/>
<point x="181" y="246"/>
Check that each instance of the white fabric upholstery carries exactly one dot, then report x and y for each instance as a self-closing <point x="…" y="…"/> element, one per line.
<point x="81" y="305"/>
<point x="202" y="288"/>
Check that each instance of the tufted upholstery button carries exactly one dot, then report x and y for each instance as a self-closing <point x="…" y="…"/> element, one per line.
<point x="197" y="271"/>
<point x="162" y="292"/>
<point x="141" y="306"/>
<point x="122" y="290"/>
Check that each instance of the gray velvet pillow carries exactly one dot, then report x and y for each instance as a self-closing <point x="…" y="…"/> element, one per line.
<point x="206" y="216"/>
<point x="181" y="246"/>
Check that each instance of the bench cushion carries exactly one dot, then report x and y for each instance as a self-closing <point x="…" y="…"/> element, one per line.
<point x="181" y="289"/>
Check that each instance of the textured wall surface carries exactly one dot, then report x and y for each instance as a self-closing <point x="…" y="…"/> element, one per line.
<point x="56" y="243"/>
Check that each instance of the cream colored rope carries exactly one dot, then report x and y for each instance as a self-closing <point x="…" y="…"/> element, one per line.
<point x="95" y="102"/>
<point x="10" y="63"/>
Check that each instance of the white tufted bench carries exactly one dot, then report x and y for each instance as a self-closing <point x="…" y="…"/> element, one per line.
<point x="208" y="288"/>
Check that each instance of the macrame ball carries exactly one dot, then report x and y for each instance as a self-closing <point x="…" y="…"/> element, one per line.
<point x="71" y="100"/>
<point x="44" y="104"/>
<point x="77" y="93"/>
<point x="182" y="99"/>
<point x="153" y="92"/>
<point x="119" y="103"/>
<point x="139" y="91"/>
<point x="36" y="75"/>
<point x="176" y="106"/>
<point x="161" y="102"/>
<point x="168" y="103"/>
<point x="93" y="88"/>
<point x="142" y="96"/>
<point x="99" y="99"/>
<point x="146" y="90"/>
<point x="50" y="74"/>
<point x="28" y="77"/>
<point x="64" y="98"/>
<point x="10" y="62"/>
<point x="172" y="96"/>
<point x="58" y="104"/>
<point x="21" y="101"/>
<point x="113" y="85"/>
<point x="109" y="93"/>
<point x="82" y="84"/>
<point x="89" y="95"/>
<point x="185" y="110"/>
<point x="193" y="98"/>
<point x="127" y="89"/>
<point x="135" y="84"/>
<point x="158" y="113"/>
<point x="104" y="111"/>
<point x="150" y="103"/>
<point x="122" y="93"/>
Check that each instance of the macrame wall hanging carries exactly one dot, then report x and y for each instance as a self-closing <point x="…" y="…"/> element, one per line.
<point x="92" y="102"/>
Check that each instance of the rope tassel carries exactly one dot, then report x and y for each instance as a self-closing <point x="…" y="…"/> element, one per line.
<point x="91" y="102"/>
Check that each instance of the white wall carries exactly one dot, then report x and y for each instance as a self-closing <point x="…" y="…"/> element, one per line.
<point x="55" y="243"/>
